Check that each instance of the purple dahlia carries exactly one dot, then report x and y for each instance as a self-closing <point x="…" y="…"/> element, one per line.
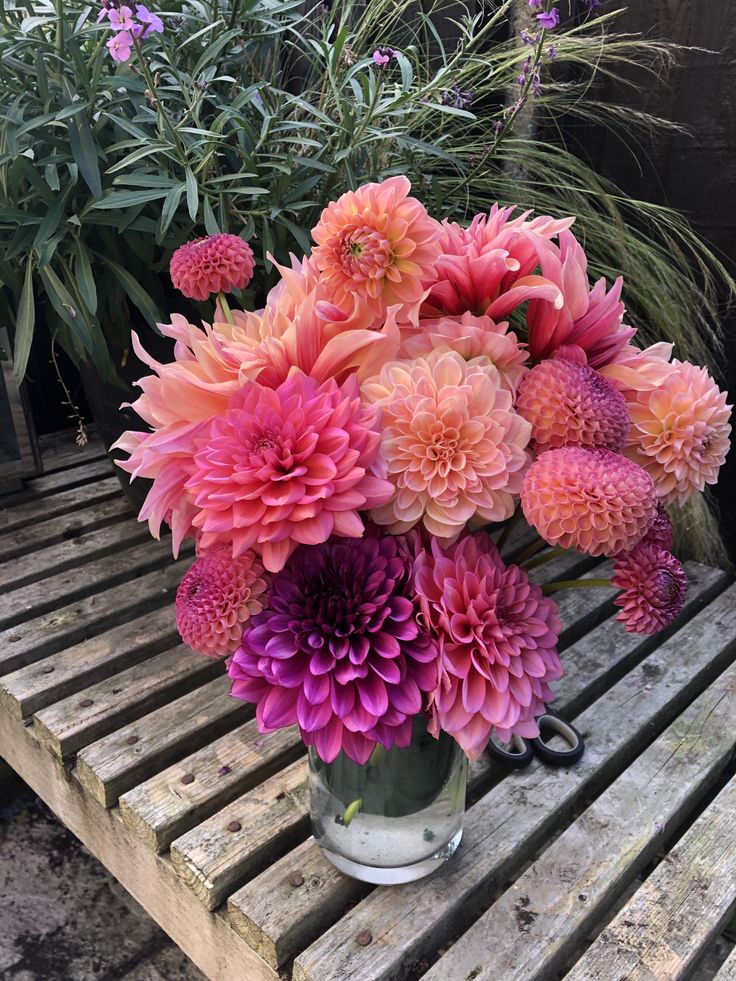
<point x="338" y="650"/>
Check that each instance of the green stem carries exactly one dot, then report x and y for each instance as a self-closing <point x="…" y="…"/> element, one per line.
<point x="226" y="311"/>
<point x="530" y="550"/>
<point x="509" y="527"/>
<point x="553" y="587"/>
<point x="541" y="559"/>
<point x="160" y="110"/>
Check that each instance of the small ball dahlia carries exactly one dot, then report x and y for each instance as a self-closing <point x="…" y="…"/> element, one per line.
<point x="287" y="466"/>
<point x="680" y="431"/>
<point x="338" y="649"/>
<point x="210" y="265"/>
<point x="453" y="445"/>
<point x="594" y="501"/>
<point x="374" y="247"/>
<point x="654" y="588"/>
<point x="216" y="597"/>
<point x="570" y="404"/>
<point x="498" y="642"/>
<point x="660" y="532"/>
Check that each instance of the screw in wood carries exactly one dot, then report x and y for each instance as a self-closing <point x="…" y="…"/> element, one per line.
<point x="188" y="778"/>
<point x="132" y="740"/>
<point x="296" y="879"/>
<point x="47" y="670"/>
<point x="234" y="826"/>
<point x="86" y="702"/>
<point x="364" y="938"/>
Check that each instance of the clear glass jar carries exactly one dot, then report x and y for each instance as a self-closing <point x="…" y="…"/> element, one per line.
<point x="396" y="818"/>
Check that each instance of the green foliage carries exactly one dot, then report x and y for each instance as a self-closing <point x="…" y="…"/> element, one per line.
<point x="248" y="115"/>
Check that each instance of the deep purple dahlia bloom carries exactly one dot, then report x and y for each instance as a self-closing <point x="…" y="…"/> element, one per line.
<point x="338" y="650"/>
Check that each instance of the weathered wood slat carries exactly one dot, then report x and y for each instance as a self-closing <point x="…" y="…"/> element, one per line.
<point x="663" y="930"/>
<point x="59" y="451"/>
<point x="28" y="512"/>
<point x="42" y="534"/>
<point x="65" y="587"/>
<point x="113" y="764"/>
<point x="32" y="688"/>
<point x="168" y="805"/>
<point x="35" y="639"/>
<point x="727" y="970"/>
<point x="204" y="937"/>
<point x="530" y="931"/>
<point x="280" y="929"/>
<point x="62" y="480"/>
<point x="75" y="721"/>
<point x="219" y="854"/>
<point x="505" y="826"/>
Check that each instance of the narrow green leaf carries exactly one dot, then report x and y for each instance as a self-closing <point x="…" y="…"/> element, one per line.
<point x="51" y="176"/>
<point x="192" y="194"/>
<point x="24" y="325"/>
<point x="135" y="291"/>
<point x="169" y="209"/>
<point x="65" y="306"/>
<point x="85" y="278"/>
<point x="85" y="153"/>
<point x="128" y="199"/>
<point x="52" y="219"/>
<point x="210" y="222"/>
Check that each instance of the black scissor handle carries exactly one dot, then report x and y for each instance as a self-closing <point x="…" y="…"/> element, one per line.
<point x="556" y="757"/>
<point x="514" y="755"/>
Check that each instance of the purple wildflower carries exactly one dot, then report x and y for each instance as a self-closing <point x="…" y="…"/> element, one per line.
<point x="526" y="38"/>
<point x="549" y="18"/>
<point x="535" y="4"/>
<point x="457" y="98"/>
<point x="382" y="56"/>
<point x="552" y="52"/>
<point x="121" y="19"/>
<point x="120" y="46"/>
<point x="151" y="22"/>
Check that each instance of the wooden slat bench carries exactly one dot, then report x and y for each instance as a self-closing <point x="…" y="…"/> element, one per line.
<point x="622" y="866"/>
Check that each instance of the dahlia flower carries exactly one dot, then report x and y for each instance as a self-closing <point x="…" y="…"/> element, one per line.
<point x="486" y="268"/>
<point x="338" y="649"/>
<point x="471" y="337"/>
<point x="287" y="466"/>
<point x="454" y="447"/>
<point x="661" y="532"/>
<point x="218" y="263"/>
<point x="374" y="247"/>
<point x="216" y="597"/>
<point x="497" y="638"/>
<point x="654" y="588"/>
<point x="570" y="404"/>
<point x="587" y="321"/>
<point x="594" y="501"/>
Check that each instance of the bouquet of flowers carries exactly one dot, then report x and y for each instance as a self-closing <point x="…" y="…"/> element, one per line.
<point x="343" y="456"/>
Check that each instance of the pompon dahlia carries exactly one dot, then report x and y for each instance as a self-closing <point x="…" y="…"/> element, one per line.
<point x="661" y="532"/>
<point x="570" y="404"/>
<point x="287" y="466"/>
<point x="594" y="501"/>
<point x="338" y="649"/>
<point x="216" y="597"/>
<point x="654" y="588"/>
<point x="453" y="445"/>
<point x="472" y="337"/>
<point x="498" y="642"/>
<point x="374" y="247"/>
<point x="210" y="265"/>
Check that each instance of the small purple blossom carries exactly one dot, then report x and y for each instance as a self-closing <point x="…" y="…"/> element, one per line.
<point x="593" y="5"/>
<point x="120" y="46"/>
<point x="496" y="125"/>
<point x="456" y="98"/>
<point x="552" y="52"/>
<point x="535" y="4"/>
<point x="151" y="22"/>
<point x="382" y="56"/>
<point x="549" y="19"/>
<point x="526" y="38"/>
<point x="121" y="19"/>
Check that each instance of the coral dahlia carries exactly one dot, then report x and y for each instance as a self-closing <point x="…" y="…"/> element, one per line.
<point x="218" y="263"/>
<point x="654" y="588"/>
<point x="498" y="642"/>
<point x="454" y="447"/>
<point x="374" y="248"/>
<point x="216" y="597"/>
<point x="660" y="532"/>
<point x="570" y="404"/>
<point x="338" y="649"/>
<point x="287" y="466"/>
<point x="592" y="500"/>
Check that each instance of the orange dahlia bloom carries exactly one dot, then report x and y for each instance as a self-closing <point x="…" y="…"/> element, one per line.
<point x="374" y="248"/>
<point x="453" y="445"/>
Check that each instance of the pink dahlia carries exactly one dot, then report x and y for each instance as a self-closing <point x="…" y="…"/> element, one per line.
<point x="216" y="597"/>
<point x="587" y="321"/>
<point x="498" y="642"/>
<point x="453" y="445"/>
<point x="654" y="588"/>
<point x="570" y="404"/>
<point x="287" y="466"/>
<point x="374" y="247"/>
<point x="218" y="263"/>
<point x="338" y="649"/>
<point x="594" y="501"/>
<point x="660" y="531"/>
<point x="471" y="337"/>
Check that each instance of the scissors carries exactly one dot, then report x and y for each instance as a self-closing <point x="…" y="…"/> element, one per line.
<point x="519" y="753"/>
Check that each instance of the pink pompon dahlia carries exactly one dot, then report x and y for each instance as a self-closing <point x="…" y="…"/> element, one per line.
<point x="453" y="445"/>
<point x="498" y="642"/>
<point x="588" y="321"/>
<point x="570" y="404"/>
<point x="471" y="337"/>
<point x="287" y="466"/>
<point x="661" y="532"/>
<point x="339" y="650"/>
<point x="216" y="597"/>
<point x="374" y="247"/>
<point x="594" y="501"/>
<point x="654" y="588"/>
<point x="217" y="263"/>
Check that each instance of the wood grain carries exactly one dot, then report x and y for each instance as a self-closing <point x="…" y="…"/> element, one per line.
<point x="28" y="511"/>
<point x="727" y="971"/>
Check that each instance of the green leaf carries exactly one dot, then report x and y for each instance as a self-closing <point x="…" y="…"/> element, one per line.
<point x="210" y="222"/>
<point x="85" y="278"/>
<point x="51" y="176"/>
<point x="169" y="209"/>
<point x="135" y="291"/>
<point x="51" y="221"/>
<point x="192" y="194"/>
<point x="116" y="200"/>
<point x="85" y="153"/>
<point x="66" y="307"/>
<point x="24" y="325"/>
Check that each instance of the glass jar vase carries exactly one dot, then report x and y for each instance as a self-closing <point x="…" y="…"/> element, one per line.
<point x="396" y="818"/>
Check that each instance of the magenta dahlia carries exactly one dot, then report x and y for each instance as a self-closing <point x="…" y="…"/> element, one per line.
<point x="218" y="263"/>
<point x="217" y="595"/>
<point x="497" y="638"/>
<point x="654" y="587"/>
<point x="338" y="649"/>
<point x="660" y="532"/>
